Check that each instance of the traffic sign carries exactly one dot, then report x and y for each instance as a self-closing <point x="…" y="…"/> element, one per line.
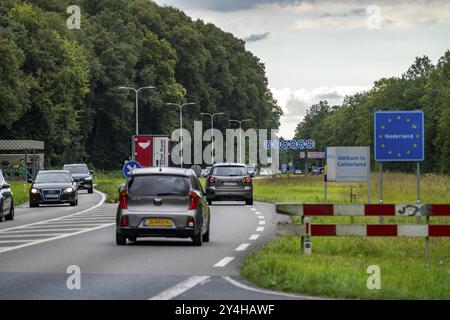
<point x="129" y="167"/>
<point x="399" y="136"/>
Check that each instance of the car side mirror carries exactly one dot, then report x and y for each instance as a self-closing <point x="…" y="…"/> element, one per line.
<point x="252" y="174"/>
<point x="91" y="171"/>
<point x="6" y="186"/>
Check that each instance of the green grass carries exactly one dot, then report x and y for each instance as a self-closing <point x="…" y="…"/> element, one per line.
<point x="20" y="192"/>
<point x="109" y="183"/>
<point x="337" y="267"/>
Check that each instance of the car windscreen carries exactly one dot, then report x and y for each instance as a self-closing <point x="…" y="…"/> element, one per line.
<point x="229" y="171"/>
<point x="53" y="178"/>
<point x="159" y="185"/>
<point x="77" y="170"/>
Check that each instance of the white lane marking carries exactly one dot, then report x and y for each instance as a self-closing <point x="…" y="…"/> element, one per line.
<point x="75" y="224"/>
<point x="180" y="288"/>
<point x="254" y="237"/>
<point x="243" y="286"/>
<point x="13" y="241"/>
<point x="253" y="209"/>
<point x="262" y="222"/>
<point x="103" y="199"/>
<point x="30" y="235"/>
<point x="260" y="229"/>
<point x="257" y="212"/>
<point x="243" y="247"/>
<point x="56" y="238"/>
<point x="261" y="217"/>
<point x="222" y="263"/>
<point x="40" y="230"/>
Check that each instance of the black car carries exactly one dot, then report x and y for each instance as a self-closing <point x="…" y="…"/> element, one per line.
<point x="82" y="176"/>
<point x="53" y="187"/>
<point x="6" y="200"/>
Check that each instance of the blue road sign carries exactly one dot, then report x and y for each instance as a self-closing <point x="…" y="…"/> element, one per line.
<point x="399" y="136"/>
<point x="129" y="167"/>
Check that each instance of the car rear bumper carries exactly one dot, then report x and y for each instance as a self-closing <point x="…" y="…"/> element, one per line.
<point x="229" y="194"/>
<point x="158" y="233"/>
<point x="85" y="185"/>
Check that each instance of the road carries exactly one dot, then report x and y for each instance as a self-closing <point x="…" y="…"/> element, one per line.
<point x="37" y="248"/>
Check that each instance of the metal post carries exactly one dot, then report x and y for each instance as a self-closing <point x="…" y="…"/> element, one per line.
<point x="137" y="112"/>
<point x="419" y="218"/>
<point x="212" y="140"/>
<point x="368" y="181"/>
<point x="181" y="134"/>
<point x="326" y="188"/>
<point x="381" y="189"/>
<point x="240" y="142"/>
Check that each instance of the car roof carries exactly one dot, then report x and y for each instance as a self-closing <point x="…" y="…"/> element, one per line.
<point x="76" y="165"/>
<point x="54" y="171"/>
<point x="229" y="164"/>
<point x="164" y="170"/>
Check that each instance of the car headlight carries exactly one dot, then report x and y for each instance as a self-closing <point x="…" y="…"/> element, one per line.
<point x="69" y="190"/>
<point x="88" y="179"/>
<point x="34" y="191"/>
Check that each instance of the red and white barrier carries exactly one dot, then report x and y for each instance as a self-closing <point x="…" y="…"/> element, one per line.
<point x="401" y="210"/>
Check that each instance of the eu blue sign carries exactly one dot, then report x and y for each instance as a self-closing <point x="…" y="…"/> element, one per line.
<point x="399" y="136"/>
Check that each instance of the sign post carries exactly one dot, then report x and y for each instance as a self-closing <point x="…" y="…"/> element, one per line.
<point x="399" y="136"/>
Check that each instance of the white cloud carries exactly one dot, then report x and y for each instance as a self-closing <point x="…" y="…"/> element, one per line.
<point x="295" y="103"/>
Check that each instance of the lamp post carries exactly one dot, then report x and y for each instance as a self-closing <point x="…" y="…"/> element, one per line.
<point x="181" y="106"/>
<point x="212" y="115"/>
<point x="240" y="135"/>
<point x="136" y="91"/>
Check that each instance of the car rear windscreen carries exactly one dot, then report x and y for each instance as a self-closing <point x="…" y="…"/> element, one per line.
<point x="159" y="185"/>
<point x="230" y="171"/>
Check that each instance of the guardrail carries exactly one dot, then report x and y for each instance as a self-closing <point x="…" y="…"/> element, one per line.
<point x="306" y="229"/>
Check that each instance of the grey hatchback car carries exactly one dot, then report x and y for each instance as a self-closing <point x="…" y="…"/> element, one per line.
<point x="163" y="202"/>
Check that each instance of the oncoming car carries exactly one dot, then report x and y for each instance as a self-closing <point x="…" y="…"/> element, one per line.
<point x="163" y="202"/>
<point x="82" y="176"/>
<point x="229" y="181"/>
<point x="53" y="187"/>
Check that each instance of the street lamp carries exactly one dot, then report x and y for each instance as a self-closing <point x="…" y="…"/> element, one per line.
<point x="181" y="123"/>
<point x="240" y="135"/>
<point x="136" y="91"/>
<point x="212" y="130"/>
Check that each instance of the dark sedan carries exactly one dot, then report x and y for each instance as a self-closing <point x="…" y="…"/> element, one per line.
<point x="82" y="176"/>
<point x="6" y="200"/>
<point x="53" y="187"/>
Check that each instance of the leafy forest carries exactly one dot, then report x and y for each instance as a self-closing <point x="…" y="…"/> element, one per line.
<point x="60" y="85"/>
<point x="423" y="87"/>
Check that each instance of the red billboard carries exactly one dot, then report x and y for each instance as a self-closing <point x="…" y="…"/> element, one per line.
<point x="151" y="150"/>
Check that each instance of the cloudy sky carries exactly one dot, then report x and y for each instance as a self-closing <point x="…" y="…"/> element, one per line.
<point x="326" y="49"/>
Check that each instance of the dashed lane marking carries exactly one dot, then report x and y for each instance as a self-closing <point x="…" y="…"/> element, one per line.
<point x="243" y="247"/>
<point x="222" y="263"/>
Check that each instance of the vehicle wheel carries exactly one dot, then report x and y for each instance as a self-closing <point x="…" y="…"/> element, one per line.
<point x="1" y="215"/>
<point x="132" y="239"/>
<point x="209" y="202"/>
<point x="198" y="239"/>
<point x="91" y="190"/>
<point x="74" y="203"/>
<point x="34" y="205"/>
<point x="10" y="216"/>
<point x="205" y="237"/>
<point x="121" y="240"/>
<point x="249" y="202"/>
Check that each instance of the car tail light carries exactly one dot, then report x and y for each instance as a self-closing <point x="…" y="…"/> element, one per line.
<point x="246" y="180"/>
<point x="123" y="199"/>
<point x="191" y="222"/>
<point x="195" y="199"/>
<point x="124" y="221"/>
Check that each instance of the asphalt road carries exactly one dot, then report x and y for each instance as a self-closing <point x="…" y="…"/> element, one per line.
<point x="39" y="246"/>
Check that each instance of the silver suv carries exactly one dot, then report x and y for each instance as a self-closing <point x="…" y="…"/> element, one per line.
<point x="163" y="202"/>
<point x="229" y="181"/>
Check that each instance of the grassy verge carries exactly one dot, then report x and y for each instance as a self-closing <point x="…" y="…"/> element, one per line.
<point x="20" y="192"/>
<point x="109" y="183"/>
<point x="337" y="267"/>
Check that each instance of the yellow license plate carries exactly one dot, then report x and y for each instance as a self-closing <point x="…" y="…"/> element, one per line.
<point x="152" y="222"/>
